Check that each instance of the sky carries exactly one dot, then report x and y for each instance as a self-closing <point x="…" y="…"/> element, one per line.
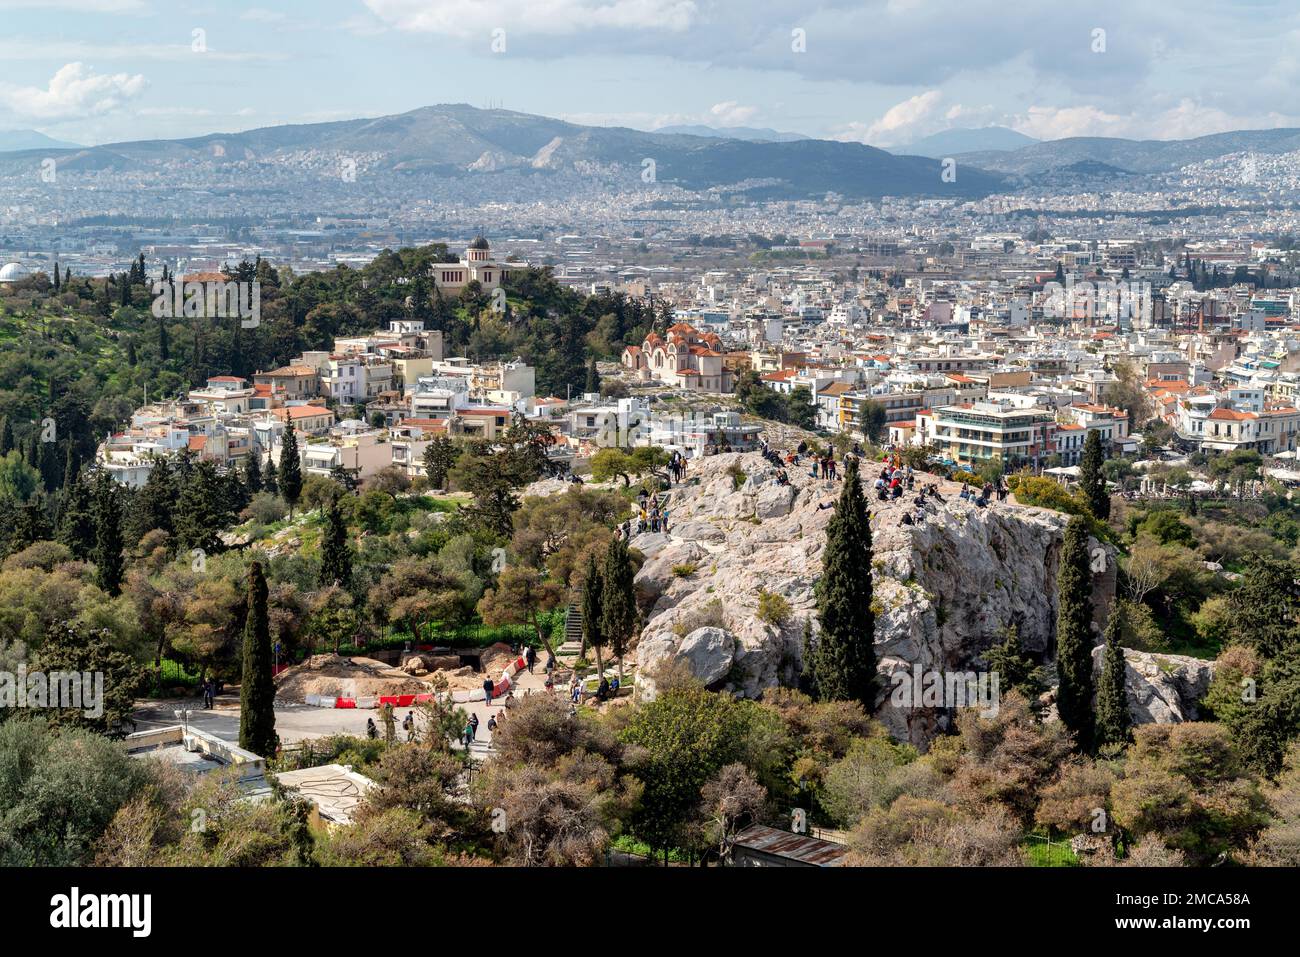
<point x="882" y="72"/>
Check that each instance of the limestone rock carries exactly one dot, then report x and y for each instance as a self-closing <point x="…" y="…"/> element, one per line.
<point x="944" y="590"/>
<point x="774" y="501"/>
<point x="708" y="652"/>
<point x="1161" y="689"/>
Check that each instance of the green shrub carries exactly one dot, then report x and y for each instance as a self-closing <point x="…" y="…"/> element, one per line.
<point x="706" y="616"/>
<point x="773" y="608"/>
<point x="685" y="570"/>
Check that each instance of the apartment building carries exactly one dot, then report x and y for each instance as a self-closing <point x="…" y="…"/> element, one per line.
<point x="975" y="433"/>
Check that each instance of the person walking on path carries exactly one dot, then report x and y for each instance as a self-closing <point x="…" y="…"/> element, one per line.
<point x="530" y="658"/>
<point x="408" y="725"/>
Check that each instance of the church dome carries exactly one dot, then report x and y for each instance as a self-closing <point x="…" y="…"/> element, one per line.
<point x="479" y="243"/>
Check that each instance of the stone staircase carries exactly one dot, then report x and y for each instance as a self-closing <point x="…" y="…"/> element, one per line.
<point x="572" y="632"/>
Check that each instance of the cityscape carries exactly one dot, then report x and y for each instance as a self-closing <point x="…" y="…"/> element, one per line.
<point x="481" y="437"/>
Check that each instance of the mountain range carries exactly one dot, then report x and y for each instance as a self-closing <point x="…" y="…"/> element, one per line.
<point x="1130" y="156"/>
<point x="952" y="142"/>
<point x="11" y="140"/>
<point x="750" y="133"/>
<point x="456" y="140"/>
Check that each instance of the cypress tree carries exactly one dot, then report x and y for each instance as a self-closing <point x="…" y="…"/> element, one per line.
<point x="30" y="524"/>
<point x="256" y="687"/>
<point x="164" y="348"/>
<point x="1091" y="477"/>
<point x="1113" y="719"/>
<point x="336" y="556"/>
<point x="71" y="465"/>
<point x="591" y="610"/>
<point x="290" y="477"/>
<point x="131" y="357"/>
<point x="77" y="520"/>
<point x="200" y="508"/>
<point x="107" y="555"/>
<point x="617" y="601"/>
<point x="1074" y="634"/>
<point x="153" y="505"/>
<point x="439" y="457"/>
<point x="593" y="376"/>
<point x="253" y="471"/>
<point x="6" y="437"/>
<point x="56" y="276"/>
<point x="843" y="661"/>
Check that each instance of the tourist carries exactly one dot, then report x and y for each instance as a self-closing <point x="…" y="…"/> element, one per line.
<point x="408" y="725"/>
<point x="473" y="726"/>
<point x="510" y="699"/>
<point x="488" y="689"/>
<point x="467" y="734"/>
<point x="492" y="723"/>
<point x="372" y="732"/>
<point x="663" y="521"/>
<point x="530" y="658"/>
<point x="613" y="687"/>
<point x="602" y="690"/>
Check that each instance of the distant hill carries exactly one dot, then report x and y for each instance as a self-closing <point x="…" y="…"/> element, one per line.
<point x="11" y="140"/>
<point x="1133" y="156"/>
<point x="750" y="133"/>
<point x="953" y="142"/>
<point x="459" y="140"/>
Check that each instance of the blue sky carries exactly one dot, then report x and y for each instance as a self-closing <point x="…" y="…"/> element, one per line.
<point x="883" y="72"/>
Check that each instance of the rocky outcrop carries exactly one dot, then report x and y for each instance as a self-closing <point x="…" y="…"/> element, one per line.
<point x="944" y="590"/>
<point x="1162" y="689"/>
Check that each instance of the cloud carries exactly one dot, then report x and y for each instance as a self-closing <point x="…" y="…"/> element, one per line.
<point x="79" y="6"/>
<point x="545" y="17"/>
<point x="1184" y="120"/>
<point x="732" y="113"/>
<point x="899" y="124"/>
<point x="28" y="48"/>
<point x="75" y="91"/>
<point x="259" y="15"/>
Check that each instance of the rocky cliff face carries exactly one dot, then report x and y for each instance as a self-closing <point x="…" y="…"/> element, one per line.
<point x="944" y="590"/>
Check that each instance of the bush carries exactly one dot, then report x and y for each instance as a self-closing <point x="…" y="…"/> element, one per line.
<point x="686" y="570"/>
<point x="707" y="616"/>
<point x="773" y="608"/>
<point x="737" y="474"/>
<point x="1048" y="493"/>
<point x="265" y="509"/>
